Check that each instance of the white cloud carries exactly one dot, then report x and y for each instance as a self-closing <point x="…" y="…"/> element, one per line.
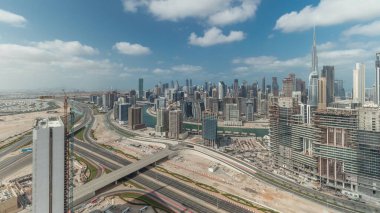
<point x="327" y="13"/>
<point x="214" y="12"/>
<point x="371" y="29"/>
<point x="159" y="71"/>
<point x="326" y="46"/>
<point x="131" y="49"/>
<point x="236" y="14"/>
<point x="185" y="68"/>
<point x="263" y="63"/>
<point x="12" y="18"/>
<point x="51" y="63"/>
<point x="66" y="48"/>
<point x="214" y="36"/>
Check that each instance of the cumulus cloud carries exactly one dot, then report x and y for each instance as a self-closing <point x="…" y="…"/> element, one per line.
<point x="185" y="68"/>
<point x="214" y="36"/>
<point x="12" y="18"/>
<point x="51" y="62"/>
<point x="236" y="14"/>
<point x="214" y="12"/>
<point x="327" y="13"/>
<point x="371" y="29"/>
<point x="131" y="49"/>
<point x="67" y="48"/>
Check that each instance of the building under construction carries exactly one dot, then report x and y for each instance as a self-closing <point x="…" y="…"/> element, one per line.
<point x="339" y="148"/>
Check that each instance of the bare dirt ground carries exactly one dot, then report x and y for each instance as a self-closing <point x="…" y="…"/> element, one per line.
<point x="11" y="125"/>
<point x="108" y="137"/>
<point x="195" y="166"/>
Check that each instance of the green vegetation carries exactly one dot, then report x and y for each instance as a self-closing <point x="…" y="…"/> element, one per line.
<point x="79" y="135"/>
<point x="106" y="170"/>
<point x="119" y="151"/>
<point x="207" y="187"/>
<point x="181" y="177"/>
<point x="92" y="135"/>
<point x="145" y="199"/>
<point x="246" y="202"/>
<point x="89" y="167"/>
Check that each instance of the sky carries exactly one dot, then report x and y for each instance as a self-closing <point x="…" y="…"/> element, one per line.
<point x="103" y="44"/>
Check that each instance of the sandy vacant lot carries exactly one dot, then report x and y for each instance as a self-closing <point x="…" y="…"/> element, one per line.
<point x="195" y="166"/>
<point x="11" y="125"/>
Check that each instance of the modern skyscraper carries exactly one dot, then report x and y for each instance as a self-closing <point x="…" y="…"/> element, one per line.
<point x="263" y="86"/>
<point x="275" y="87"/>
<point x="250" y="111"/>
<point x="123" y="112"/>
<point x="236" y="88"/>
<point x="135" y="118"/>
<point x="162" y="124"/>
<point x="175" y="124"/>
<point x="322" y="93"/>
<point x="329" y="73"/>
<point x="339" y="89"/>
<point x="287" y="86"/>
<point x="314" y="75"/>
<point x="48" y="165"/>
<point x="221" y="90"/>
<point x="359" y="83"/>
<point x="210" y="129"/>
<point x="377" y="81"/>
<point x="141" y="88"/>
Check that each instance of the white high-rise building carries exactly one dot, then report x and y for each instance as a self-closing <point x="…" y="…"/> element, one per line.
<point x="377" y="81"/>
<point x="48" y="165"/>
<point x="221" y="90"/>
<point x="359" y="83"/>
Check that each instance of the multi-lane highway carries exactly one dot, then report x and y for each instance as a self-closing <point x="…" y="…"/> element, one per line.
<point x="13" y="147"/>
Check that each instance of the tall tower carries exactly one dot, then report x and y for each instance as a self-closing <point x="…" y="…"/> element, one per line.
<point x="329" y="73"/>
<point x="48" y="165"/>
<point x="359" y="83"/>
<point x="236" y="88"/>
<point x="377" y="83"/>
<point x="314" y="75"/>
<point x="275" y="87"/>
<point x="221" y="90"/>
<point x="263" y="85"/>
<point x="322" y="93"/>
<point x="141" y="88"/>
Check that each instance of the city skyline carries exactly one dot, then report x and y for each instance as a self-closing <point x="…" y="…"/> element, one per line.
<point x="89" y="49"/>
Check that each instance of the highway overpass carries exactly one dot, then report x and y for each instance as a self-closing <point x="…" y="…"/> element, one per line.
<point x="88" y="190"/>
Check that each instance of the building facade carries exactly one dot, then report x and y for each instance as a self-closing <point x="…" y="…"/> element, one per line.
<point x="48" y="165"/>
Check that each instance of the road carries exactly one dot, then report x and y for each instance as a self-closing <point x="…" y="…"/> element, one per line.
<point x="210" y="199"/>
<point x="13" y="147"/>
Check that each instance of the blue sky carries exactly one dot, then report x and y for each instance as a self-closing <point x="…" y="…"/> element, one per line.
<point x="99" y="44"/>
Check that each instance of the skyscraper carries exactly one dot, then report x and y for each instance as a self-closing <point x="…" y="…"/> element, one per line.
<point x="322" y="93"/>
<point x="48" y="165"/>
<point x="329" y="73"/>
<point x="175" y="124"/>
<point x="250" y="110"/>
<point x="377" y="81"/>
<point x="313" y="77"/>
<point x="339" y="89"/>
<point x="287" y="86"/>
<point x="221" y="90"/>
<point x="162" y="124"/>
<point x="359" y="83"/>
<point x="263" y="86"/>
<point x="141" y="88"/>
<point x="275" y="87"/>
<point x="135" y="118"/>
<point x="123" y="112"/>
<point x="210" y="129"/>
<point x="236" y="88"/>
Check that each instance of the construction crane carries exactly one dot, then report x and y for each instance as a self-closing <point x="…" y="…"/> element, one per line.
<point x="69" y="156"/>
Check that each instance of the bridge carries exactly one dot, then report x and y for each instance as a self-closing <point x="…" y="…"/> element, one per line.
<point x="88" y="190"/>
